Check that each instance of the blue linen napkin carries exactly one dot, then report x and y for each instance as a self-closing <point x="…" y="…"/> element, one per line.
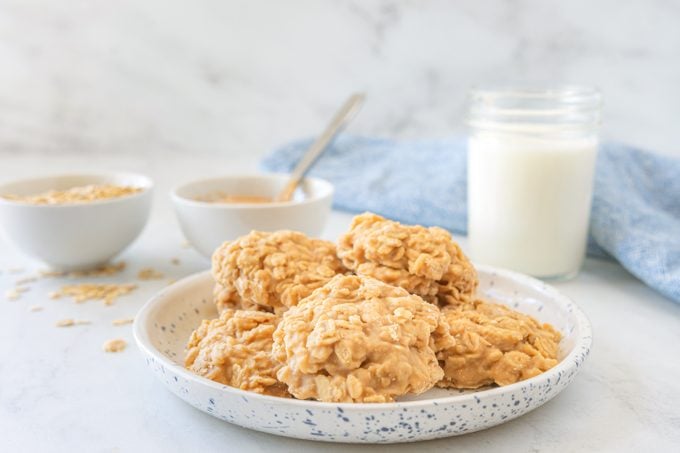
<point x="635" y="216"/>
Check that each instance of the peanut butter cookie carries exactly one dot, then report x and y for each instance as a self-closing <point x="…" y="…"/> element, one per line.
<point x="357" y="339"/>
<point x="235" y="349"/>
<point x="272" y="271"/>
<point x="424" y="261"/>
<point x="495" y="345"/>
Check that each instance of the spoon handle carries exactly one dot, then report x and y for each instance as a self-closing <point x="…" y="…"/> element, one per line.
<point x="337" y="124"/>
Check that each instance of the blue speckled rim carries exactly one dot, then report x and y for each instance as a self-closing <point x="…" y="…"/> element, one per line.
<point x="571" y="361"/>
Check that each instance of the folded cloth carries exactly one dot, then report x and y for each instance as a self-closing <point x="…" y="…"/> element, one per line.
<point x="635" y="216"/>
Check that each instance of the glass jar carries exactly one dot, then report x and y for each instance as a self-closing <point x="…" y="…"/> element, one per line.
<point x="531" y="161"/>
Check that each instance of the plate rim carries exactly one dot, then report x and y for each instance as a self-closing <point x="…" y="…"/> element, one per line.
<point x="570" y="361"/>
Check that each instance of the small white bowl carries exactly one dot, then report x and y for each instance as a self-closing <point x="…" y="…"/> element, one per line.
<point x="78" y="235"/>
<point x="207" y="225"/>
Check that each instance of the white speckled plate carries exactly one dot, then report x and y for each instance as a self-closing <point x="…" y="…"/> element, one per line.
<point x="163" y="326"/>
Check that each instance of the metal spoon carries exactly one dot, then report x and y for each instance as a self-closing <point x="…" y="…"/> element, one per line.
<point x="340" y="120"/>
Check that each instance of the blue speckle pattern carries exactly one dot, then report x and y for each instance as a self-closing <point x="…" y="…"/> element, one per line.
<point x="437" y="413"/>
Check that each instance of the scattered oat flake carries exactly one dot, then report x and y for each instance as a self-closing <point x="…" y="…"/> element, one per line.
<point x="116" y="345"/>
<point x="103" y="271"/>
<point x="15" y="270"/>
<point x="149" y="274"/>
<point x="25" y="280"/>
<point x="175" y="261"/>
<point x="35" y="308"/>
<point x="50" y="273"/>
<point x="88" y="291"/>
<point x="71" y="322"/>
<point x="171" y="281"/>
<point x="186" y="244"/>
<point x="13" y="294"/>
<point x="122" y="321"/>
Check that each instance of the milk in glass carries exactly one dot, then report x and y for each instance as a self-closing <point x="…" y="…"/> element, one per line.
<point x="530" y="181"/>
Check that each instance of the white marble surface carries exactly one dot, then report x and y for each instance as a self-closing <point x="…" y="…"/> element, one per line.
<point x="240" y="77"/>
<point x="183" y="89"/>
<point x="60" y="392"/>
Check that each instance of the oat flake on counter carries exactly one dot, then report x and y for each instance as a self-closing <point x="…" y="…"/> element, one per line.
<point x="88" y="291"/>
<point x="116" y="345"/>
<point x="106" y="270"/>
<point x="149" y="273"/>
<point x="71" y="322"/>
<point x="12" y="294"/>
<point x="103" y="271"/>
<point x="26" y="280"/>
<point x="15" y="293"/>
<point x="50" y="273"/>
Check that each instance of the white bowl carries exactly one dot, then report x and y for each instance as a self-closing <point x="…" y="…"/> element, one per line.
<point x="207" y="225"/>
<point x="162" y="328"/>
<point x="79" y="235"/>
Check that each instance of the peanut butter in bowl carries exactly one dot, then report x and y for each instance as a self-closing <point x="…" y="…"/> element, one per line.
<point x="213" y="210"/>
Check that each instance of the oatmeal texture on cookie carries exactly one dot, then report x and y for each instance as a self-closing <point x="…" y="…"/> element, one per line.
<point x="273" y="271"/>
<point x="495" y="345"/>
<point x="424" y="261"/>
<point x="357" y="339"/>
<point x="235" y="349"/>
<point x="227" y="298"/>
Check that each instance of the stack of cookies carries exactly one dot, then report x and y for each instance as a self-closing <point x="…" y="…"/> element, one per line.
<point x="390" y="310"/>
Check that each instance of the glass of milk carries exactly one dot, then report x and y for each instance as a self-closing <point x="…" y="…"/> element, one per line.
<point x="531" y="160"/>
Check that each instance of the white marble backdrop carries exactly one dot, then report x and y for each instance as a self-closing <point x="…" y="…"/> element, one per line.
<point x="237" y="78"/>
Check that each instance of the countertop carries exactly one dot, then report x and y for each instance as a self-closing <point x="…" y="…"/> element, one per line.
<point x="60" y="392"/>
<point x="180" y="91"/>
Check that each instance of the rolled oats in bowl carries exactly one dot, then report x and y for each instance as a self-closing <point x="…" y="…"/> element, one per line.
<point x="75" y="221"/>
<point x="78" y="194"/>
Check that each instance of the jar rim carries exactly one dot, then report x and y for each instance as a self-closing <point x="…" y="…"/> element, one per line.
<point x="547" y="107"/>
<point x="567" y="93"/>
